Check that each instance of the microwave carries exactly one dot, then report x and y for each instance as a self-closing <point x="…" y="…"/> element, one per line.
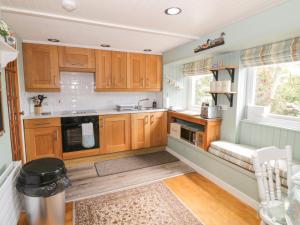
<point x="192" y="135"/>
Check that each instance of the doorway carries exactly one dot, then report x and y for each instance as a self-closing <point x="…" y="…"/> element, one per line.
<point x="14" y="111"/>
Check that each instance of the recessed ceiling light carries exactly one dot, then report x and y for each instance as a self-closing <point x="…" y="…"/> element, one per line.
<point x="173" y="11"/>
<point x="147" y="50"/>
<point x="53" y="40"/>
<point x="105" y="45"/>
<point x="69" y="5"/>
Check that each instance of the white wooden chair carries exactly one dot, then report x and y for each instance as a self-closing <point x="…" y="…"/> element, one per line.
<point x="266" y="166"/>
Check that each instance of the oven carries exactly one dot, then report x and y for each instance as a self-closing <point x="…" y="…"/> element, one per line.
<point x="80" y="133"/>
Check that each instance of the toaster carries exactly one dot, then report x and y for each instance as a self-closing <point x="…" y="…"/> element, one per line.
<point x="210" y="112"/>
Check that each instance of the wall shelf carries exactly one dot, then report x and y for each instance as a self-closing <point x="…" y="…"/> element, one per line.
<point x="229" y="69"/>
<point x="231" y="72"/>
<point x="7" y="53"/>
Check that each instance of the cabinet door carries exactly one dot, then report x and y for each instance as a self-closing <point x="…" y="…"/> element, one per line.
<point x="41" y="71"/>
<point x="76" y="59"/>
<point x="140" y="130"/>
<point x="136" y="70"/>
<point x="116" y="135"/>
<point x="153" y="72"/>
<point x="119" y="69"/>
<point x="103" y="70"/>
<point x="43" y="142"/>
<point x="158" y="127"/>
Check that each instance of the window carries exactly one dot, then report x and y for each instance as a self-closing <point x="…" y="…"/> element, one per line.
<point x="199" y="87"/>
<point x="278" y="88"/>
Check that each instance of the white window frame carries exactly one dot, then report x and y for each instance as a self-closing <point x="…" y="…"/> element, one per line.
<point x="282" y="121"/>
<point x="191" y="96"/>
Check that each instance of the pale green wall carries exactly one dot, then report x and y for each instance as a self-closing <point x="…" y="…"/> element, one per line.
<point x="278" y="23"/>
<point x="5" y="147"/>
<point x="241" y="179"/>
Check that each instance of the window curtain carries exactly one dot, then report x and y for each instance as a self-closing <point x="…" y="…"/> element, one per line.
<point x="278" y="52"/>
<point x="200" y="67"/>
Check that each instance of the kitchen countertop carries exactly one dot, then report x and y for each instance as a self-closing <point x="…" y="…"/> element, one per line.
<point x="96" y="113"/>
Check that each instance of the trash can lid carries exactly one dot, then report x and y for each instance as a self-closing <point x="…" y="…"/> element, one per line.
<point x="41" y="172"/>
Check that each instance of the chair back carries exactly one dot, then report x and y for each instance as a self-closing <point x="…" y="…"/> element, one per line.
<point x="266" y="162"/>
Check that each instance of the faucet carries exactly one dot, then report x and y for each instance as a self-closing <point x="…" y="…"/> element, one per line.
<point x="139" y="107"/>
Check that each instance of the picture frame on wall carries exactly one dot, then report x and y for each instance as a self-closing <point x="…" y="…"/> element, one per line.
<point x="1" y="110"/>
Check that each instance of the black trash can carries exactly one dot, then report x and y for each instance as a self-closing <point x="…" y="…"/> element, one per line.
<point x="43" y="183"/>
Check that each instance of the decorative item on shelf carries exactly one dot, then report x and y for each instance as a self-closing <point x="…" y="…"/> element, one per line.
<point x="174" y="83"/>
<point x="4" y="31"/>
<point x="37" y="101"/>
<point x="211" y="43"/>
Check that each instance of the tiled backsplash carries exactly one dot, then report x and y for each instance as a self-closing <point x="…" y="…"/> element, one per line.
<point x="77" y="93"/>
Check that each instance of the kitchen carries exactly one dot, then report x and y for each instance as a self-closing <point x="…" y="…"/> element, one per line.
<point x="75" y="76"/>
<point x="149" y="112"/>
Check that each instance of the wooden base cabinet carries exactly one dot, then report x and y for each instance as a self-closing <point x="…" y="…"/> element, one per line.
<point x="158" y="129"/>
<point x="43" y="138"/>
<point x="140" y="130"/>
<point x="115" y="133"/>
<point x="148" y="129"/>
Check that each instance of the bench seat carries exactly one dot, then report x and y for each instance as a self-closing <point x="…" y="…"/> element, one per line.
<point x="241" y="155"/>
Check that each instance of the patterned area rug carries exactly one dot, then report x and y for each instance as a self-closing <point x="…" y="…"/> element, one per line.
<point x="115" y="166"/>
<point x="152" y="204"/>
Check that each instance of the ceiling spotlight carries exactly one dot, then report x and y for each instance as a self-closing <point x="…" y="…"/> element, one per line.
<point x="147" y="50"/>
<point x="53" y="40"/>
<point x="69" y="5"/>
<point x="105" y="45"/>
<point x="173" y="11"/>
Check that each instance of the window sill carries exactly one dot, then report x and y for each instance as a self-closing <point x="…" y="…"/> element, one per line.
<point x="270" y="122"/>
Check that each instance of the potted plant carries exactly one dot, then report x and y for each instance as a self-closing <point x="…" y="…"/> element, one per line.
<point x="4" y="32"/>
<point x="37" y="101"/>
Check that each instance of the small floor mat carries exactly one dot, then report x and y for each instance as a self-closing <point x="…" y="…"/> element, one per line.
<point x="115" y="166"/>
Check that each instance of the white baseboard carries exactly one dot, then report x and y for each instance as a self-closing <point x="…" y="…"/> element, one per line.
<point x="232" y="190"/>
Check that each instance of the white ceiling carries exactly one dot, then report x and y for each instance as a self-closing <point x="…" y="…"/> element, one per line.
<point x="126" y="24"/>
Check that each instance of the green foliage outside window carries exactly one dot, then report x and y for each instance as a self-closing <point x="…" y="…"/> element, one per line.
<point x="278" y="86"/>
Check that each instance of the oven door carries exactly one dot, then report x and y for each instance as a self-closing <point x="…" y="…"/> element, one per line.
<point x="72" y="137"/>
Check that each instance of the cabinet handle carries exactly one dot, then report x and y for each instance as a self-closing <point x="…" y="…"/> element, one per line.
<point x="146" y="120"/>
<point x="152" y="119"/>
<point x="41" y="124"/>
<point x="77" y="64"/>
<point x="56" y="136"/>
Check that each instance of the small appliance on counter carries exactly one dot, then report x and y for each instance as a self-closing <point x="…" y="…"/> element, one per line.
<point x="210" y="112"/>
<point x="125" y="107"/>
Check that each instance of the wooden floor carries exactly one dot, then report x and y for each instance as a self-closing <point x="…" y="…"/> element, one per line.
<point x="86" y="182"/>
<point x="210" y="203"/>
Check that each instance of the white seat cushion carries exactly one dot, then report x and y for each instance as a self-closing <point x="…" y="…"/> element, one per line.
<point x="231" y="159"/>
<point x="238" y="151"/>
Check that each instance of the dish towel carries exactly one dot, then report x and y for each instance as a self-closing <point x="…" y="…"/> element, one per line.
<point x="88" y="139"/>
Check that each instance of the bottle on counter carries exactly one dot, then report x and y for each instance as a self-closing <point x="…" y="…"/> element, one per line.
<point x="154" y="104"/>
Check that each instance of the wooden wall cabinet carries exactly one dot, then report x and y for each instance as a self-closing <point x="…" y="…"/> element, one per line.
<point x="115" y="135"/>
<point x="148" y="129"/>
<point x="153" y="75"/>
<point x="136" y="70"/>
<point x="41" y="71"/>
<point x="111" y="70"/>
<point x="43" y="138"/>
<point x="76" y="59"/>
<point x="114" y="71"/>
<point x="144" y="72"/>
